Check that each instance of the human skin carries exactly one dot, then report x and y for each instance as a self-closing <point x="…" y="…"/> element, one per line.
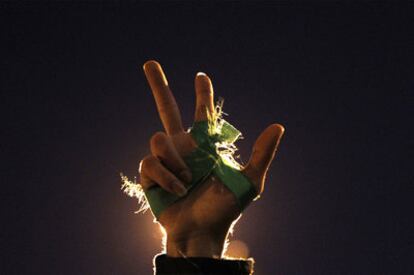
<point x="195" y="226"/>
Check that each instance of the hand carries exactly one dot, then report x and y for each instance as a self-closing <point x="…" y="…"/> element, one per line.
<point x="195" y="226"/>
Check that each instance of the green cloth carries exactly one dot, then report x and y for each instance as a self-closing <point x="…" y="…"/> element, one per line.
<point x="203" y="162"/>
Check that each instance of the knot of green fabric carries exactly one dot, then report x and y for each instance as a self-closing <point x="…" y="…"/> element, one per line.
<point x="204" y="161"/>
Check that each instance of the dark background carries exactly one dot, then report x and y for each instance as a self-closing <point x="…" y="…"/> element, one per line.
<point x="77" y="111"/>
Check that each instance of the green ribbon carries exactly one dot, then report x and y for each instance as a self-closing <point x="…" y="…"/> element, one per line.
<point x="205" y="161"/>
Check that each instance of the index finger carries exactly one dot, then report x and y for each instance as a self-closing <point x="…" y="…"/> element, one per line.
<point x="164" y="99"/>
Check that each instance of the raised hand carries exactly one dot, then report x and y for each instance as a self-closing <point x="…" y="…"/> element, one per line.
<point x="196" y="225"/>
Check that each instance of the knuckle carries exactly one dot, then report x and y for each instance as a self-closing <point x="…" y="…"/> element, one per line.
<point x="167" y="182"/>
<point x="167" y="107"/>
<point x="147" y="163"/>
<point x="258" y="151"/>
<point x="166" y="176"/>
<point x="145" y="182"/>
<point x="202" y="108"/>
<point x="158" y="140"/>
<point x="254" y="173"/>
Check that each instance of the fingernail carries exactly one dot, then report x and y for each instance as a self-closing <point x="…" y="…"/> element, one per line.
<point x="178" y="188"/>
<point x="186" y="176"/>
<point x="150" y="63"/>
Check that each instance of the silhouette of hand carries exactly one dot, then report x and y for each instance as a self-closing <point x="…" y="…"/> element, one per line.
<point x="198" y="224"/>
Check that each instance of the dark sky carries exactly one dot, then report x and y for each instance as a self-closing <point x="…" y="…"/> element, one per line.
<point x="77" y="111"/>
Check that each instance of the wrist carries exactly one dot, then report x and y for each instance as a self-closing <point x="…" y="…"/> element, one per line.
<point x="196" y="244"/>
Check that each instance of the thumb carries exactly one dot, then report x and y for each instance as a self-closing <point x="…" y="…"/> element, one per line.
<point x="262" y="155"/>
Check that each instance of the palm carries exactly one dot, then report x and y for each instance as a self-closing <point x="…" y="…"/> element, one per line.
<point x="195" y="211"/>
